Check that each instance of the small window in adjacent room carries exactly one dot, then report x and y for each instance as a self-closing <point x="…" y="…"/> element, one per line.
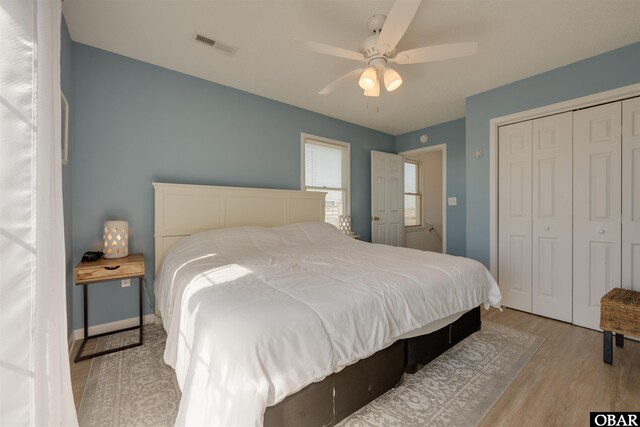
<point x="325" y="167"/>
<point x="412" y="195"/>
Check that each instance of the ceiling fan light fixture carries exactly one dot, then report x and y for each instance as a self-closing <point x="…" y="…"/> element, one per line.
<point x="368" y="79"/>
<point x="379" y="49"/>
<point x="375" y="91"/>
<point x="392" y="80"/>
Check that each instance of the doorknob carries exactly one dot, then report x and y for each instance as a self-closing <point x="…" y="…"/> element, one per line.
<point x="547" y="228"/>
<point x="601" y="231"/>
<point x="375" y="218"/>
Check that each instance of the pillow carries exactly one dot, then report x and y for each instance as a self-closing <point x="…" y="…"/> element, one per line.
<point x="311" y="232"/>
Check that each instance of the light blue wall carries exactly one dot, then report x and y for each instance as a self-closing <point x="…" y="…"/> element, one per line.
<point x="610" y="70"/>
<point x="66" y="83"/>
<point x="453" y="135"/>
<point x="136" y="123"/>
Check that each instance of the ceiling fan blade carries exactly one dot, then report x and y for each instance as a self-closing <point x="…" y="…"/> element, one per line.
<point x="337" y="82"/>
<point x="438" y="52"/>
<point x="398" y="20"/>
<point x="329" y="50"/>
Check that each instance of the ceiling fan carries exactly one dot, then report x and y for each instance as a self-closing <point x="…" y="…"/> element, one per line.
<point x="379" y="49"/>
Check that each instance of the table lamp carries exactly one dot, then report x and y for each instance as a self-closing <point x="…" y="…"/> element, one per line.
<point x="115" y="235"/>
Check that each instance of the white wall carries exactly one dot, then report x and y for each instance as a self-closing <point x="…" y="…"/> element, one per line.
<point x="421" y="238"/>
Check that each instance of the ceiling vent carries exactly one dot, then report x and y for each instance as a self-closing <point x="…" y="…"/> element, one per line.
<point x="222" y="47"/>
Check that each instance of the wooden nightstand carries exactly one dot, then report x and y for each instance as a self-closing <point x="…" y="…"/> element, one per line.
<point x="106" y="270"/>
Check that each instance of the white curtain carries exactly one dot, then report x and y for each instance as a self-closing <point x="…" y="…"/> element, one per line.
<point x="35" y="385"/>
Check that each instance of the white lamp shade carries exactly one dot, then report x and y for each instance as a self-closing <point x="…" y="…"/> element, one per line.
<point x="368" y="79"/>
<point x="392" y="79"/>
<point x="115" y="237"/>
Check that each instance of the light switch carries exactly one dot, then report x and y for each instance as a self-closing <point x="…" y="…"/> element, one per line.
<point x="452" y="201"/>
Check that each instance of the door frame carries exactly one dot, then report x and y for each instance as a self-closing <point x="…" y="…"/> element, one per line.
<point x="613" y="95"/>
<point x="443" y="148"/>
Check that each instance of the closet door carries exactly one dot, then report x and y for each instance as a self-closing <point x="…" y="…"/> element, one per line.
<point x="552" y="217"/>
<point x="631" y="194"/>
<point x="514" y="215"/>
<point x="597" y="206"/>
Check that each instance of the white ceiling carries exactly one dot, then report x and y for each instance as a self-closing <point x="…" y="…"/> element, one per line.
<point x="517" y="39"/>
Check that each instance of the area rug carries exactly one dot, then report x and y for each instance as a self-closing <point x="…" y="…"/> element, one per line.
<point x="459" y="387"/>
<point x="132" y="387"/>
<point x="135" y="388"/>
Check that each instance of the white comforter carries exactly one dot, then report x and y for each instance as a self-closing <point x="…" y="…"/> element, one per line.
<point x="255" y="314"/>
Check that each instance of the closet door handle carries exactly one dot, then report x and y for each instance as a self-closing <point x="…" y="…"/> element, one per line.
<point x="601" y="231"/>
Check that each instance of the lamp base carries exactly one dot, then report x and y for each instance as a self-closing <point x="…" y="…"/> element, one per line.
<point x="114" y="255"/>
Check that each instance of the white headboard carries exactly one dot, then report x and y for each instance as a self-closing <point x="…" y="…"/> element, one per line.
<point x="182" y="210"/>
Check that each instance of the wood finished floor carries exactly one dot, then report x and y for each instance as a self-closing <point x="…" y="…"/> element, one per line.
<point x="561" y="384"/>
<point x="566" y="378"/>
<point x="80" y="370"/>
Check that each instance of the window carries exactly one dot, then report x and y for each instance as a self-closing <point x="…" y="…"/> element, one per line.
<point x="412" y="195"/>
<point x="325" y="167"/>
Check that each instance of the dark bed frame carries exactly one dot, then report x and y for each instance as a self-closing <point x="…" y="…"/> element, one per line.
<point x="327" y="402"/>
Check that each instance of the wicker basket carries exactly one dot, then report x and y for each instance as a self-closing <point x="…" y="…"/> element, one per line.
<point x="620" y="312"/>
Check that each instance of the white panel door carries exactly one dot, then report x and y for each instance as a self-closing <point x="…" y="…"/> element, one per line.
<point x="387" y="198"/>
<point x="514" y="215"/>
<point x="552" y="217"/>
<point x="631" y="194"/>
<point x="597" y="206"/>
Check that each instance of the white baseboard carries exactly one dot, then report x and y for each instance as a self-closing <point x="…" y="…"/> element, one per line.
<point x="111" y="326"/>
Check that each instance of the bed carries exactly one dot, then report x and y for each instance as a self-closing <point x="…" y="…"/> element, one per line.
<point x="275" y="317"/>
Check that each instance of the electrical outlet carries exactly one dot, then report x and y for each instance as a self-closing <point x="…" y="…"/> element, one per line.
<point x="452" y="201"/>
<point x="125" y="283"/>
